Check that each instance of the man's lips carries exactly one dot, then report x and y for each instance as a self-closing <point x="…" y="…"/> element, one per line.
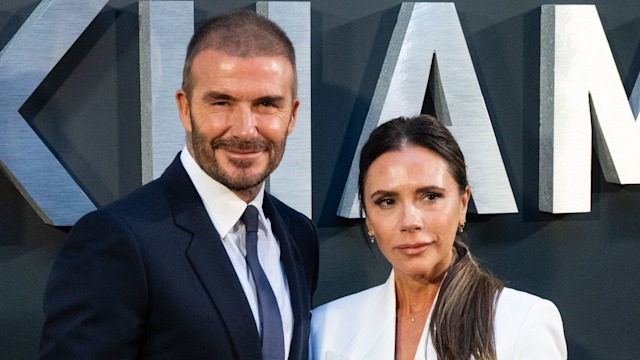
<point x="242" y="154"/>
<point x="242" y="151"/>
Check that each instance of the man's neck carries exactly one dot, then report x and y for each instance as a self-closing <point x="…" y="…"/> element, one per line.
<point x="248" y="195"/>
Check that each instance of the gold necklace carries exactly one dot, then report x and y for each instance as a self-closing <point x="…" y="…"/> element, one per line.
<point x="414" y="317"/>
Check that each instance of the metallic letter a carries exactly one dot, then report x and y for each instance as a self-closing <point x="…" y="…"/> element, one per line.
<point x="428" y="37"/>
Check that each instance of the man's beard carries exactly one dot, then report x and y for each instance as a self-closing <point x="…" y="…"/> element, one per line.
<point x="242" y="178"/>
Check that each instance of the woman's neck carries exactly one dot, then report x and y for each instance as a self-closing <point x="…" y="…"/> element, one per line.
<point x="415" y="295"/>
<point x="414" y="299"/>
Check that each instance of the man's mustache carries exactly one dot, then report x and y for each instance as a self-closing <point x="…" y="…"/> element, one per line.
<point x="235" y="144"/>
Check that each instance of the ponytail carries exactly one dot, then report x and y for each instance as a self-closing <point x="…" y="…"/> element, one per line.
<point x="462" y="320"/>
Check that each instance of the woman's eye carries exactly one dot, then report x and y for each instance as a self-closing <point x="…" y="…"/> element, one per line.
<point x="384" y="202"/>
<point x="432" y="197"/>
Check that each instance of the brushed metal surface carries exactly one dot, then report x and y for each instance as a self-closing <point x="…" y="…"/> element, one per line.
<point x="427" y="31"/>
<point x="291" y="182"/>
<point x="580" y="92"/>
<point x="25" y="61"/>
<point x="634" y="99"/>
<point x="165" y="30"/>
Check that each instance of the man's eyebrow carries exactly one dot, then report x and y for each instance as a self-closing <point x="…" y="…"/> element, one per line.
<point x="215" y="95"/>
<point x="270" y="99"/>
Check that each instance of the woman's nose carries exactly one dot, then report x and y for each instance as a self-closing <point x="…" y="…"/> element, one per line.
<point x="412" y="219"/>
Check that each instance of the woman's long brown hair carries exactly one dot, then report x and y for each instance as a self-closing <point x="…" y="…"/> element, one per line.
<point x="462" y="320"/>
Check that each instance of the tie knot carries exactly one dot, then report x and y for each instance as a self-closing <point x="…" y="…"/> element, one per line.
<point x="250" y="218"/>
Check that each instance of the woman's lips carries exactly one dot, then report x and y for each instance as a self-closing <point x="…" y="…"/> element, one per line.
<point x="414" y="248"/>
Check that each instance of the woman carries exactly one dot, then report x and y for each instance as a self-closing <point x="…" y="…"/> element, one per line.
<point x="437" y="302"/>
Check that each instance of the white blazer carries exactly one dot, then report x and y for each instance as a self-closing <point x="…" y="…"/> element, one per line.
<point x="363" y="326"/>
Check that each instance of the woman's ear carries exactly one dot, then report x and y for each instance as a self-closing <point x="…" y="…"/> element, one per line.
<point x="464" y="198"/>
<point x="370" y="230"/>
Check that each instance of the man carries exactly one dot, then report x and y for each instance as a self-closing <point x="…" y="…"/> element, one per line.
<point x="161" y="274"/>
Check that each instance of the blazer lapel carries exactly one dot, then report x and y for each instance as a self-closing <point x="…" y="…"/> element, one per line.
<point x="292" y="264"/>
<point x="211" y="262"/>
<point x="425" y="348"/>
<point x="375" y="336"/>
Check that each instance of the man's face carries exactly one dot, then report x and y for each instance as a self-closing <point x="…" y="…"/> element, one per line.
<point x="239" y="116"/>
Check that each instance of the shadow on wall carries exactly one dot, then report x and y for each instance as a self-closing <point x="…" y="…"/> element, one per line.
<point x="27" y="249"/>
<point x="334" y="65"/>
<point x="348" y="264"/>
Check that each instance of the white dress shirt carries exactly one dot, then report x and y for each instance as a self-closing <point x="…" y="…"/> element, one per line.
<point x="225" y="209"/>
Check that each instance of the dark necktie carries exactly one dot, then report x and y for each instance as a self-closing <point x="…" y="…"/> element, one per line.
<point x="270" y="320"/>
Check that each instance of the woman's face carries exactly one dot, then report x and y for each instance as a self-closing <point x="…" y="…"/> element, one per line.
<point x="413" y="208"/>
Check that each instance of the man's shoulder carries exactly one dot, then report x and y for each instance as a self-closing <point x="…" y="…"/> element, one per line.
<point x="144" y="199"/>
<point x="286" y="210"/>
<point x="154" y="196"/>
<point x="146" y="202"/>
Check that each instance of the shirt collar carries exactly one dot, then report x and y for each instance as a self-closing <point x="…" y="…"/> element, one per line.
<point x="223" y="206"/>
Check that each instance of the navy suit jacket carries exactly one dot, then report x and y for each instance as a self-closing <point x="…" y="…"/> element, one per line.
<point x="147" y="277"/>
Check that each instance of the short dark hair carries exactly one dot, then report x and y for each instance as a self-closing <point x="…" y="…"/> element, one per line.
<point x="241" y="33"/>
<point x="425" y="131"/>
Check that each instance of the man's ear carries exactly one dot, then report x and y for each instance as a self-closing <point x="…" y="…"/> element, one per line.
<point x="183" y="109"/>
<point x="294" y="115"/>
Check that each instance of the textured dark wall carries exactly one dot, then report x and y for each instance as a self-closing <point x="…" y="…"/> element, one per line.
<point x="87" y="110"/>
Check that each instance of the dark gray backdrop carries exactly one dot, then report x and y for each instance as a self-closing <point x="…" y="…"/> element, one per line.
<point x="87" y="110"/>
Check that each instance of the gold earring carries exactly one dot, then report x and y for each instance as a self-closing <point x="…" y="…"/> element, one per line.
<point x="372" y="237"/>
<point x="461" y="228"/>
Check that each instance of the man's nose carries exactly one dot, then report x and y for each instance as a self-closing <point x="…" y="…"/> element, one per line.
<point x="243" y="122"/>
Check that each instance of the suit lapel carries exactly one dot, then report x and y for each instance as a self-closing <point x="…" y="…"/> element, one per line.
<point x="292" y="264"/>
<point x="211" y="263"/>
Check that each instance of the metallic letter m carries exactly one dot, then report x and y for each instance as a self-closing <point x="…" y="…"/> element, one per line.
<point x="581" y="90"/>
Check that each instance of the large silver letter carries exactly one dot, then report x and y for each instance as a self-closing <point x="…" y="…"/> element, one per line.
<point x="426" y="32"/>
<point x="24" y="62"/>
<point x="165" y="30"/>
<point x="291" y="182"/>
<point x="580" y="85"/>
